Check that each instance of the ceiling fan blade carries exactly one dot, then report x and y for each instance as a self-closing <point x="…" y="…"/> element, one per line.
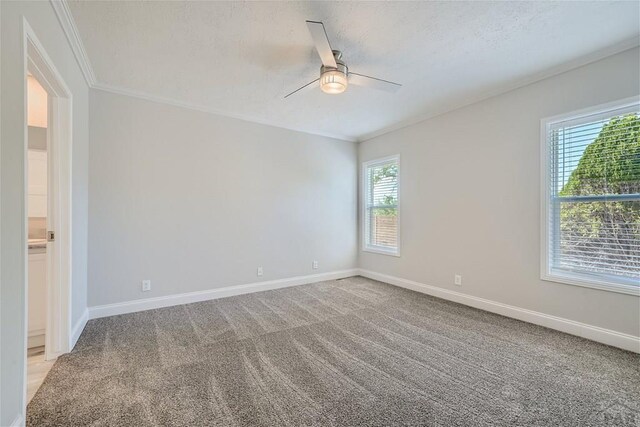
<point x="372" y="82"/>
<point x="321" y="41"/>
<point x="308" y="85"/>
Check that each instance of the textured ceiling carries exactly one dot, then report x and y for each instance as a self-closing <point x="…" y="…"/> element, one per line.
<point x="240" y="59"/>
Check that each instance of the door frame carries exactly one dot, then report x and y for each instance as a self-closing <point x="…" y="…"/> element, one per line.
<point x="59" y="161"/>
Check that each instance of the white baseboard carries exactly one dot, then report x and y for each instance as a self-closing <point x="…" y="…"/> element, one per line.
<point x="96" y="312"/>
<point x="35" y="332"/>
<point x="18" y="421"/>
<point x="35" y="338"/>
<point x="594" y="333"/>
<point x="78" y="328"/>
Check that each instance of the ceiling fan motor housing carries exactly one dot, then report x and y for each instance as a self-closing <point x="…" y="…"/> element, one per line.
<point x="334" y="73"/>
<point x="334" y="80"/>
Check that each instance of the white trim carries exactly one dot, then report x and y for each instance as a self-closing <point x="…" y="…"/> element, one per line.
<point x="59" y="205"/>
<point x="381" y="250"/>
<point x="67" y="22"/>
<point x="586" y="281"/>
<point x="78" y="328"/>
<point x="36" y="338"/>
<point x="36" y="332"/>
<point x="594" y="333"/>
<point x="70" y="29"/>
<point x="73" y="36"/>
<point x="99" y="311"/>
<point x="625" y="45"/>
<point x="546" y="272"/>
<point x="595" y="110"/>
<point x="204" y="109"/>
<point x="18" y="421"/>
<point x="58" y="320"/>
<point x="363" y="211"/>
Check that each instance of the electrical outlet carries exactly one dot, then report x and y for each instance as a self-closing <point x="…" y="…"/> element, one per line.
<point x="146" y="285"/>
<point x="315" y="265"/>
<point x="457" y="280"/>
<point x="259" y="271"/>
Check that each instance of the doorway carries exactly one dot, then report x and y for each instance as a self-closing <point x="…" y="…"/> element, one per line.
<point x="47" y="215"/>
<point x="37" y="202"/>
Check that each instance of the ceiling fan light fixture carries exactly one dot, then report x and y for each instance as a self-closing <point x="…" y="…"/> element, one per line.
<point x="333" y="81"/>
<point x="334" y="73"/>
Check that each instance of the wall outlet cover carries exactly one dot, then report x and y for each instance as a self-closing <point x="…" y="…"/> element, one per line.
<point x="146" y="285"/>
<point x="259" y="272"/>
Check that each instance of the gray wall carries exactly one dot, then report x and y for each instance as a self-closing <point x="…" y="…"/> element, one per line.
<point x="470" y="196"/>
<point x="44" y="22"/>
<point x="194" y="201"/>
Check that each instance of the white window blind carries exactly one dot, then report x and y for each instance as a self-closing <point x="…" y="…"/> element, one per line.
<point x="594" y="198"/>
<point x="381" y="215"/>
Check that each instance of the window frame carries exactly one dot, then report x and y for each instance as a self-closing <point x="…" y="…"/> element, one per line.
<point x="547" y="273"/>
<point x="365" y="246"/>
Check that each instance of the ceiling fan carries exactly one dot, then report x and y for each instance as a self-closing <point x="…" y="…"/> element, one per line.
<point x="334" y="73"/>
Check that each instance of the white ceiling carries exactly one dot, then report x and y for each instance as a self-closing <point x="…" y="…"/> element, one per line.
<point x="240" y="59"/>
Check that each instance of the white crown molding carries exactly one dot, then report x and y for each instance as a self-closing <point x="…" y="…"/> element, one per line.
<point x="204" y="109"/>
<point x="99" y="311"/>
<point x="594" y="333"/>
<point x="562" y="68"/>
<point x="68" y="24"/>
<point x="71" y="31"/>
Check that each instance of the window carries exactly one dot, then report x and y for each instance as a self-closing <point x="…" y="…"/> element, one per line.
<point x="591" y="198"/>
<point x="381" y="223"/>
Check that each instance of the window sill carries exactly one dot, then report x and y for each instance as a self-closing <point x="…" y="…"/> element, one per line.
<point x="589" y="282"/>
<point x="381" y="251"/>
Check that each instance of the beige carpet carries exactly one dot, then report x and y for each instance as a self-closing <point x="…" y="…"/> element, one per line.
<point x="351" y="352"/>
